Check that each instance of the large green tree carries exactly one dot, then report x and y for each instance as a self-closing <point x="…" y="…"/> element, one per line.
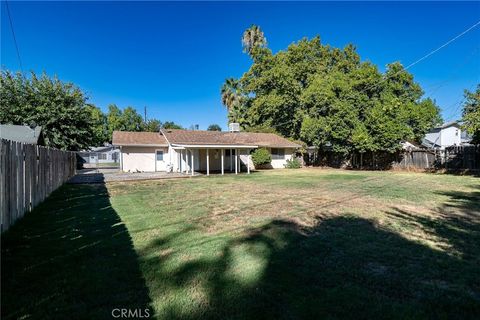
<point x="471" y="114"/>
<point x="132" y="120"/>
<point x="99" y="125"/>
<point x="328" y="97"/>
<point x="153" y="125"/>
<point x="214" y="127"/>
<point x="114" y="120"/>
<point x="59" y="107"/>
<point x="171" y="125"/>
<point x="127" y="120"/>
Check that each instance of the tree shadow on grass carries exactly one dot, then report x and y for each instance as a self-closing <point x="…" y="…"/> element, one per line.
<point x="341" y="268"/>
<point x="72" y="258"/>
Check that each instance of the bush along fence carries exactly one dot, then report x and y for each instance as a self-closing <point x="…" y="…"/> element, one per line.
<point x="455" y="158"/>
<point x="28" y="174"/>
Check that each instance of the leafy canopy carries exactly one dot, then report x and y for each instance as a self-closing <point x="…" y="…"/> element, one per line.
<point x="171" y="125"/>
<point x="471" y="114"/>
<point x="328" y="97"/>
<point x="214" y="127"/>
<point x="60" y="108"/>
<point x="68" y="121"/>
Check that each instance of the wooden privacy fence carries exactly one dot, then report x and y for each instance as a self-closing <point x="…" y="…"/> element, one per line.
<point x="416" y="159"/>
<point x="28" y="174"/>
<point x="461" y="158"/>
<point x="455" y="158"/>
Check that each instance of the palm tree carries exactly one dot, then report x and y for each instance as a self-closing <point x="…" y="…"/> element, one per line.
<point x="229" y="93"/>
<point x="252" y="38"/>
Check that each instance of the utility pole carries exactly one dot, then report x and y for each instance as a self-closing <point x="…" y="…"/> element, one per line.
<point x="145" y="113"/>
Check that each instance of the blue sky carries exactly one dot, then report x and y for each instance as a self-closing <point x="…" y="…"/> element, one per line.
<point x="174" y="57"/>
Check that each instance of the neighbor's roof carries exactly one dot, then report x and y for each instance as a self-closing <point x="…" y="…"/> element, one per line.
<point x="23" y="134"/>
<point x="128" y="138"/>
<point x="448" y="124"/>
<point x="198" y="137"/>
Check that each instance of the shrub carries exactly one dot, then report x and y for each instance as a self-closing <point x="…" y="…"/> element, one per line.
<point x="261" y="157"/>
<point x="293" y="163"/>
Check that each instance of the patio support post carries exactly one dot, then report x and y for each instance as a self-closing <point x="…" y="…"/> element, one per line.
<point x="179" y="164"/>
<point x="239" y="159"/>
<point x="222" y="161"/>
<point x="236" y="161"/>
<point x="121" y="159"/>
<point x="191" y="152"/>
<point x="231" y="160"/>
<point x="208" y="164"/>
<point x="248" y="162"/>
<point x="187" y="167"/>
<point x="185" y="163"/>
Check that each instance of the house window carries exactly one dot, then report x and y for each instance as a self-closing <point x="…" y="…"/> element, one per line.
<point x="278" y="154"/>
<point x="102" y="156"/>
<point x="159" y="155"/>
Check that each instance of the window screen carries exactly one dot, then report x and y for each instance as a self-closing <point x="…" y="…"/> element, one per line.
<point x="278" y="153"/>
<point x="160" y="155"/>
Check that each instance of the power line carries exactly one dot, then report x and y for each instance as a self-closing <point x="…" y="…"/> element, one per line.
<point x="411" y="64"/>
<point x="423" y="58"/>
<point x="443" y="45"/>
<point x="14" y="38"/>
<point x="433" y="88"/>
<point x="459" y="104"/>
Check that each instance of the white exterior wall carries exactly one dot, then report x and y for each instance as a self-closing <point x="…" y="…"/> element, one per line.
<point x="450" y="136"/>
<point x="280" y="163"/>
<point x="181" y="159"/>
<point x="141" y="158"/>
<point x="135" y="159"/>
<point x="110" y="156"/>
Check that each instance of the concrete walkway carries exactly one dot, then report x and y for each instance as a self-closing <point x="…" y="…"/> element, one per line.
<point x="111" y="175"/>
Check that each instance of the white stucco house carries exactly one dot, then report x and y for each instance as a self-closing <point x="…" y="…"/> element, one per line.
<point x="446" y="135"/>
<point x="187" y="151"/>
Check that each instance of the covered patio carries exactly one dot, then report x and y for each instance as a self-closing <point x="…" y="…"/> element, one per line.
<point x="211" y="158"/>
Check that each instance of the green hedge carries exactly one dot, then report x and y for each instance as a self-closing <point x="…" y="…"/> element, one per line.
<point x="261" y="157"/>
<point x="293" y="163"/>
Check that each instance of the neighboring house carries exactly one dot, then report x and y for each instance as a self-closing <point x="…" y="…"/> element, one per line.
<point x="446" y="135"/>
<point x="105" y="154"/>
<point x="24" y="134"/>
<point x="188" y="151"/>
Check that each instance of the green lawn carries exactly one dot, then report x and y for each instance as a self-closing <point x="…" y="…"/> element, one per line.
<point x="284" y="244"/>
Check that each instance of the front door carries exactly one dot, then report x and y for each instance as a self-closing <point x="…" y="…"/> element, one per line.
<point x="160" y="162"/>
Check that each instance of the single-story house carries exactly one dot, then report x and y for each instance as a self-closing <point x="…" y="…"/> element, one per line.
<point x="175" y="150"/>
<point x="24" y="134"/>
<point x="105" y="154"/>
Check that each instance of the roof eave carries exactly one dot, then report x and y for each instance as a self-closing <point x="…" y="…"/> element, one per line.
<point x="138" y="145"/>
<point x="213" y="146"/>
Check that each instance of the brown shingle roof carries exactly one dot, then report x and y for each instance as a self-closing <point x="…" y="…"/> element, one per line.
<point x="128" y="138"/>
<point x="190" y="137"/>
